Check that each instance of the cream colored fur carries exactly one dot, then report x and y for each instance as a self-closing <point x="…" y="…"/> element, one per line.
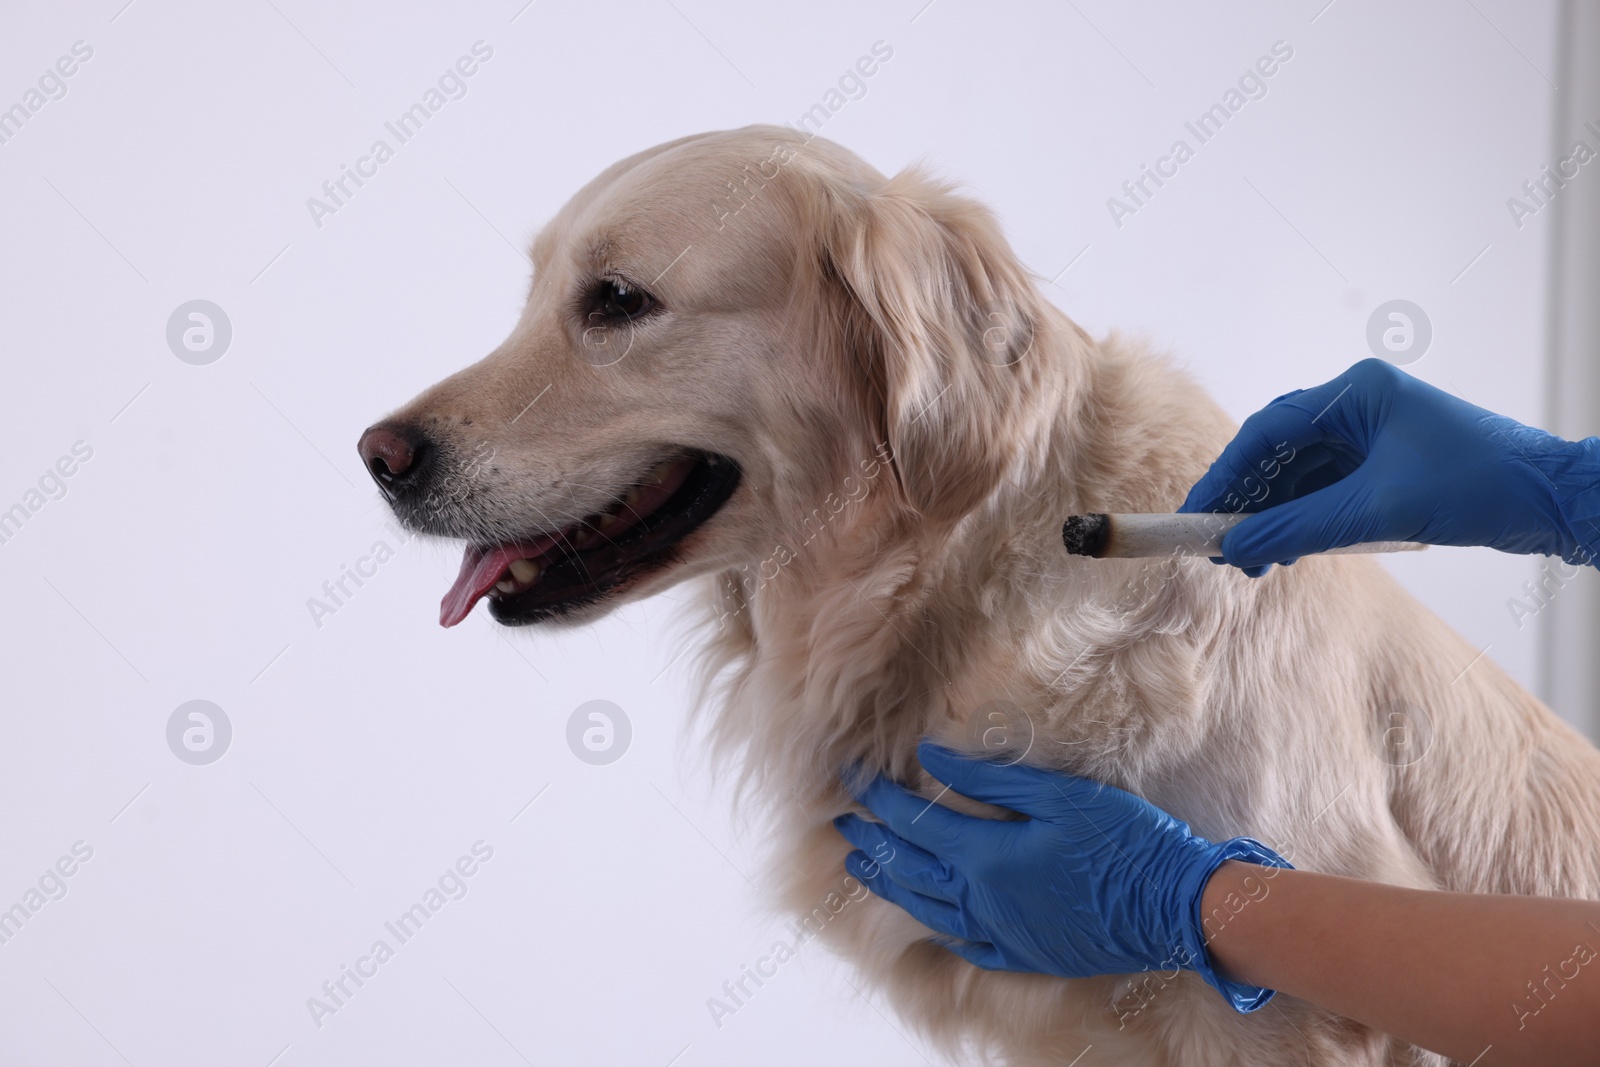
<point x="836" y="318"/>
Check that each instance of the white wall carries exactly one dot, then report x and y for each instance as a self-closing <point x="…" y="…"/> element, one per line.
<point x="371" y="751"/>
<point x="1569" y="624"/>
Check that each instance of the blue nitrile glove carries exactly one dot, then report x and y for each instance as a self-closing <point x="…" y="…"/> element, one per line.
<point x="1095" y="881"/>
<point x="1377" y="455"/>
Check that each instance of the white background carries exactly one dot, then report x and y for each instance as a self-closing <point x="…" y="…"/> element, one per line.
<point x="372" y="751"/>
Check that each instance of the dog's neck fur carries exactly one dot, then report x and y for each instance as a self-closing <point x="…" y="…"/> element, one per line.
<point x="860" y="601"/>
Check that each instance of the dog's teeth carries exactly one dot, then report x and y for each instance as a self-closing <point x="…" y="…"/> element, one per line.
<point x="524" y="570"/>
<point x="609" y="520"/>
<point x="505" y="585"/>
<point x="660" y="471"/>
<point x="631" y="497"/>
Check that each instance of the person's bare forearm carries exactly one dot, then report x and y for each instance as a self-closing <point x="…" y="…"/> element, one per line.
<point x="1484" y="979"/>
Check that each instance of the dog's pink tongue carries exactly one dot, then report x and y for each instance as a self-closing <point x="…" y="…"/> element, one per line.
<point x="480" y="569"/>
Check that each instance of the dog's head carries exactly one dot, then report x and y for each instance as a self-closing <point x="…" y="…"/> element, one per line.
<point x="724" y="335"/>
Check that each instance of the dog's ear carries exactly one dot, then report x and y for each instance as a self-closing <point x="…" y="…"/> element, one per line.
<point x="940" y="321"/>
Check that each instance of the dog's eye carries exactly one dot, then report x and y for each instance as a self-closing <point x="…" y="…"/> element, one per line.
<point x="619" y="300"/>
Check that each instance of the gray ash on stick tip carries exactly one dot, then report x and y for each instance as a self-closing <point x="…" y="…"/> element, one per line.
<point x="1086" y="535"/>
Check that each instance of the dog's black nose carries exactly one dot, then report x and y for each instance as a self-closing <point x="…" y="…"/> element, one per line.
<point x="393" y="455"/>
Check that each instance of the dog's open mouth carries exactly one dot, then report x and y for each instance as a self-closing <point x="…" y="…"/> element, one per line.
<point x="552" y="573"/>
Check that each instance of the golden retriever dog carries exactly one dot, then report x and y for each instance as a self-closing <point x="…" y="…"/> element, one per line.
<point x="840" y="402"/>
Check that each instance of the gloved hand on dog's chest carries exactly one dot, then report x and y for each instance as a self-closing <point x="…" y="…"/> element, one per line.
<point x="1377" y="455"/>
<point x="1095" y="880"/>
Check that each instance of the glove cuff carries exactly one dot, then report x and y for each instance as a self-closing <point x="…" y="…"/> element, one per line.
<point x="1574" y="472"/>
<point x="1241" y="995"/>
